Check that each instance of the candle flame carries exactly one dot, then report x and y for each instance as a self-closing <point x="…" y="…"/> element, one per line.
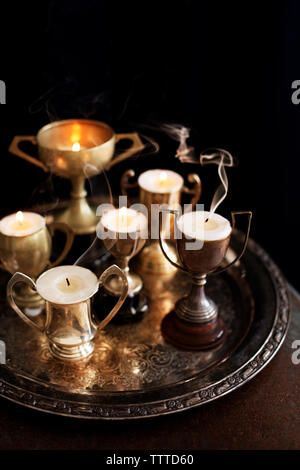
<point x="76" y="147"/>
<point x="163" y="176"/>
<point x="19" y="217"/>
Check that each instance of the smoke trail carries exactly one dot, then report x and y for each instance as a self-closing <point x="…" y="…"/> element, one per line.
<point x="46" y="102"/>
<point x="180" y="133"/>
<point x="97" y="249"/>
<point x="177" y="132"/>
<point x="151" y="146"/>
<point x="222" y="158"/>
<point x="95" y="171"/>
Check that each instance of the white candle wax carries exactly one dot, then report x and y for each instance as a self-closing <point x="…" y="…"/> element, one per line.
<point x="67" y="284"/>
<point x="124" y="220"/>
<point x="204" y="225"/>
<point x="160" y="181"/>
<point x="21" y="224"/>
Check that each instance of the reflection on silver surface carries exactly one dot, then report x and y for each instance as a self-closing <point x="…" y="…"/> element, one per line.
<point x="133" y="372"/>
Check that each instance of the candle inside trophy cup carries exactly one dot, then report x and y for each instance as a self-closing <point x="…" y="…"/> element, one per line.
<point x="203" y="228"/>
<point x="202" y="241"/>
<point x="77" y="149"/>
<point x="124" y="233"/>
<point x="25" y="245"/>
<point x="160" y="188"/>
<point x="67" y="291"/>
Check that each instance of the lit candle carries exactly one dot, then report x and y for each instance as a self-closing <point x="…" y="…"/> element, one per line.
<point x="160" y="181"/>
<point x="67" y="284"/>
<point x="124" y="220"/>
<point x="21" y="224"/>
<point x="203" y="225"/>
<point x="72" y="146"/>
<point x="76" y="147"/>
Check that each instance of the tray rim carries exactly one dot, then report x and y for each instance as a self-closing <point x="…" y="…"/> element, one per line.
<point x="181" y="402"/>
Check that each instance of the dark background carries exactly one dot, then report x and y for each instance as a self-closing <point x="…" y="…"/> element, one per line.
<point x="222" y="69"/>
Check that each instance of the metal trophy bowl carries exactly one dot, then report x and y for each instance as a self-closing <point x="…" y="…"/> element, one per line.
<point x="76" y="149"/>
<point x="69" y="327"/>
<point x="151" y="259"/>
<point x="195" y="324"/>
<point x="124" y="247"/>
<point x="31" y="255"/>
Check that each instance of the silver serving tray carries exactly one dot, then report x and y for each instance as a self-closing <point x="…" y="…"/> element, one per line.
<point x="133" y="373"/>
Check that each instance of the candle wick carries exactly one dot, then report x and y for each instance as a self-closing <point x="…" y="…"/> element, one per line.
<point x="68" y="282"/>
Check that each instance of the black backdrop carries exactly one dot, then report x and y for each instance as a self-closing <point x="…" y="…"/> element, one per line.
<point x="223" y="69"/>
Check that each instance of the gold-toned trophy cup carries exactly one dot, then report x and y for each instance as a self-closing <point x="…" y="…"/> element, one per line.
<point x="194" y="324"/>
<point x="31" y="255"/>
<point x="124" y="246"/>
<point x="69" y="327"/>
<point x="77" y="149"/>
<point x="151" y="259"/>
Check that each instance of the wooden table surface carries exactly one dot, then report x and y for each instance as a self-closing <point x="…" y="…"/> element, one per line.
<point x="263" y="414"/>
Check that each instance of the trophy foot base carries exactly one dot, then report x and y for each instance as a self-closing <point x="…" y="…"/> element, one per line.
<point x="79" y="216"/>
<point x="71" y="353"/>
<point x="134" y="309"/>
<point x="192" y="336"/>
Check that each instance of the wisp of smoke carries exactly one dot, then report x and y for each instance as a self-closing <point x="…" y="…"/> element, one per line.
<point x="88" y="105"/>
<point x="89" y="170"/>
<point x="151" y="146"/>
<point x="180" y="133"/>
<point x="222" y="158"/>
<point x="177" y="132"/>
<point x="96" y="250"/>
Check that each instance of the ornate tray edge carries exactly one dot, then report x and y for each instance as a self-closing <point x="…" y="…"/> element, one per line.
<point x="185" y="402"/>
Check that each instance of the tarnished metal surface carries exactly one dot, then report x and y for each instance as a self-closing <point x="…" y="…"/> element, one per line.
<point x="133" y="372"/>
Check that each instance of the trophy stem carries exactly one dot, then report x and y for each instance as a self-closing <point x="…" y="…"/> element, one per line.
<point x="79" y="215"/>
<point x="78" y="189"/>
<point x="135" y="306"/>
<point x="194" y="323"/>
<point x="135" y="283"/>
<point x="196" y="307"/>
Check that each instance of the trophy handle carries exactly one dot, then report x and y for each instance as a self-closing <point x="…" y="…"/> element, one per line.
<point x="217" y="271"/>
<point x="124" y="183"/>
<point x="233" y="214"/>
<point x="137" y="146"/>
<point x="61" y="227"/>
<point x="176" y="213"/>
<point x="20" y="277"/>
<point x="113" y="270"/>
<point x="15" y="150"/>
<point x="196" y="189"/>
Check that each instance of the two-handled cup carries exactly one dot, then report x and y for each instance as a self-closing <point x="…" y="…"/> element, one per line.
<point x="202" y="239"/>
<point x="67" y="292"/>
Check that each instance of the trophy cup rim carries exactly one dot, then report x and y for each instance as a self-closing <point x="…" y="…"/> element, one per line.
<point x="62" y="122"/>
